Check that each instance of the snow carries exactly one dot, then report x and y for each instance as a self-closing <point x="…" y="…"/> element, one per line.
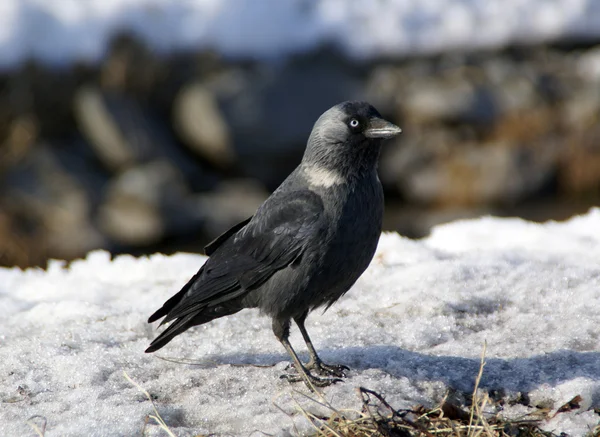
<point x="413" y="326"/>
<point x="62" y="31"/>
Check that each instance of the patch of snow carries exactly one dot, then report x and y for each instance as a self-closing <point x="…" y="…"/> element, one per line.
<point x="413" y="326"/>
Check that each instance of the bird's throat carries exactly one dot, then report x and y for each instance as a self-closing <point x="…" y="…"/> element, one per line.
<point x="322" y="177"/>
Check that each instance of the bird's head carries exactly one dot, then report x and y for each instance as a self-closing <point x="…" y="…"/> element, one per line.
<point x="347" y="139"/>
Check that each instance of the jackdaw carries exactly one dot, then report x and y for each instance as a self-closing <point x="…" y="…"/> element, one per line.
<point x="306" y="245"/>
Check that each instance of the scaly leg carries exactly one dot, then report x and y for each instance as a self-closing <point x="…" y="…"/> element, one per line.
<point x="281" y="329"/>
<point x="315" y="363"/>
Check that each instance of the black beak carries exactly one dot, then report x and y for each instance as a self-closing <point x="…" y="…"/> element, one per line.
<point x="380" y="128"/>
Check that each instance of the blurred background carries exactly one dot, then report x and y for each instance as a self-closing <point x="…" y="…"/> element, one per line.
<point x="139" y="126"/>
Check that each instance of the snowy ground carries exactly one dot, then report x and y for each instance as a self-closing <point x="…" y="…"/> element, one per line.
<point x="65" y="30"/>
<point x="414" y="325"/>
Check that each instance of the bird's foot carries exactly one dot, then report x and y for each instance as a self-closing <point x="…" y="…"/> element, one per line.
<point x="331" y="370"/>
<point x="309" y="379"/>
<point x="328" y="374"/>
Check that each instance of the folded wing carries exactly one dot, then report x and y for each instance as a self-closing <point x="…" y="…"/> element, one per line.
<point x="242" y="259"/>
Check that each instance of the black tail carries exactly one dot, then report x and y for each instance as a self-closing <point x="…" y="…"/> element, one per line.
<point x="174" y="300"/>
<point x="184" y="323"/>
<point x="177" y="327"/>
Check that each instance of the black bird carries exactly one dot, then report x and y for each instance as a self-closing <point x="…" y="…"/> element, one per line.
<point x="306" y="245"/>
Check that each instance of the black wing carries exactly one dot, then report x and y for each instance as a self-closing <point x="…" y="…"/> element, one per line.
<point x="210" y="248"/>
<point x="244" y="259"/>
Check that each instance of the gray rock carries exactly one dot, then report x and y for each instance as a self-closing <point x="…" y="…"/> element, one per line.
<point x="99" y="126"/>
<point x="232" y="202"/>
<point x="416" y="150"/>
<point x="587" y="65"/>
<point x="52" y="204"/>
<point x="454" y="100"/>
<point x="124" y="134"/>
<point x="146" y="203"/>
<point x="151" y="202"/>
<point x="516" y="93"/>
<point x="21" y="136"/>
<point x="582" y="109"/>
<point x="579" y="167"/>
<point x="431" y="100"/>
<point x="200" y="124"/>
<point x="482" y="175"/>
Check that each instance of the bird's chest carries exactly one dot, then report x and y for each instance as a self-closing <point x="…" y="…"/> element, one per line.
<point x="358" y="225"/>
<point x="355" y="232"/>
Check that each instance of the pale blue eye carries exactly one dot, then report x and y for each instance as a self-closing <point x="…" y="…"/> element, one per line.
<point x="354" y="122"/>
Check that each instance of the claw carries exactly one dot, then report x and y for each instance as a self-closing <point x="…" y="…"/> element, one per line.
<point x="337" y="370"/>
<point x="314" y="380"/>
<point x="332" y="374"/>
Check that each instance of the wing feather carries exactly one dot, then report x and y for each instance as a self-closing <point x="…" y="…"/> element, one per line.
<point x="248" y="256"/>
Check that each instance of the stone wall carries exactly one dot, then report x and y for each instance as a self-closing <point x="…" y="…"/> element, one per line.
<point x="146" y="153"/>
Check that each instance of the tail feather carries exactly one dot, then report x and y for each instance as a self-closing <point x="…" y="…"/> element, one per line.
<point x="174" y="300"/>
<point x="184" y="323"/>
<point x="174" y="329"/>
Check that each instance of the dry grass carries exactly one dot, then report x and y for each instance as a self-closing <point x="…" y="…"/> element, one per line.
<point x="378" y="418"/>
<point x="154" y="417"/>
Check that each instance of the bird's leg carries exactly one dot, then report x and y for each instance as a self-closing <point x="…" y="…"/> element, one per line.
<point x="281" y="329"/>
<point x="315" y="363"/>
